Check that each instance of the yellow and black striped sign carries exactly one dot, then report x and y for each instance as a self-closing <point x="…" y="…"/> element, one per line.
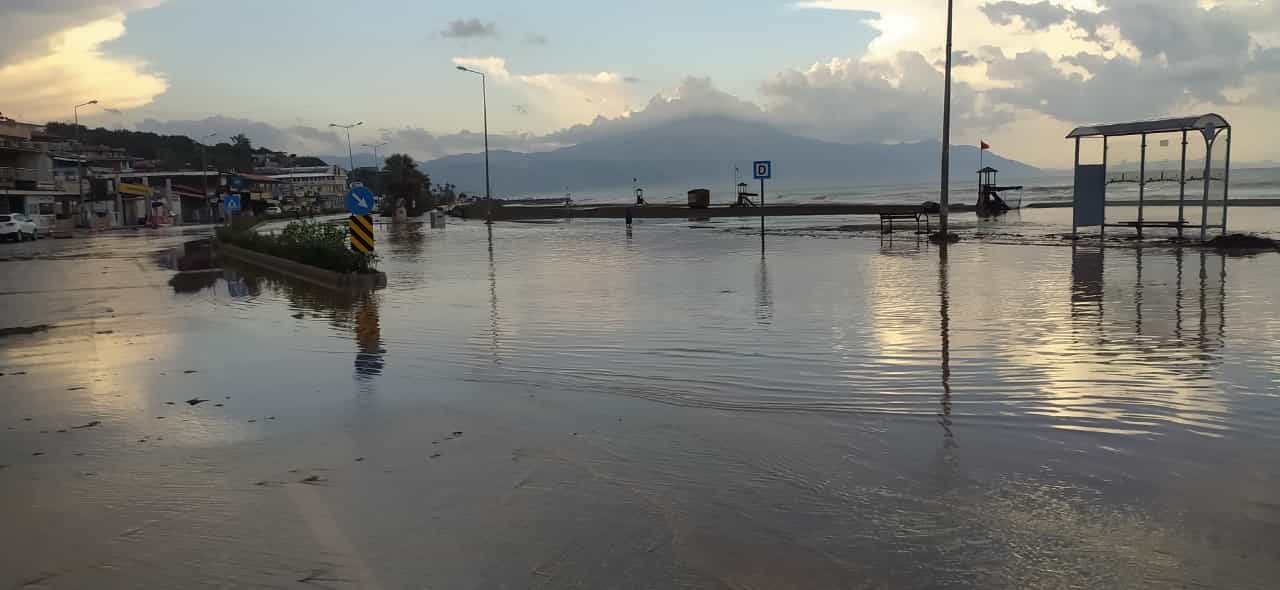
<point x="361" y="229"/>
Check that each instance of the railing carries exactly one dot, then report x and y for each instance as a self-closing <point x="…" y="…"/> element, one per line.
<point x="27" y="178"/>
<point x="20" y="144"/>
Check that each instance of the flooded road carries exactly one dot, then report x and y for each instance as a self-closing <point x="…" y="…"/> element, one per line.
<point x="565" y="405"/>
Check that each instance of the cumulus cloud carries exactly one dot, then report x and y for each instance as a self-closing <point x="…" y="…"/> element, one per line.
<point x="1040" y="15"/>
<point x="694" y="97"/>
<point x="34" y="28"/>
<point x="854" y="100"/>
<point x="45" y="75"/>
<point x="566" y="98"/>
<point x="469" y="28"/>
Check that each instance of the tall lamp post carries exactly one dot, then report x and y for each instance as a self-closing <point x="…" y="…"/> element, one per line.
<point x="204" y="170"/>
<point x="80" y="160"/>
<point x="350" y="155"/>
<point x="484" y="105"/>
<point x="376" y="164"/>
<point x="943" y="204"/>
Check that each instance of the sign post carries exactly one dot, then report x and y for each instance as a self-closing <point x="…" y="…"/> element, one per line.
<point x="360" y="224"/>
<point x="231" y="203"/>
<point x="763" y="169"/>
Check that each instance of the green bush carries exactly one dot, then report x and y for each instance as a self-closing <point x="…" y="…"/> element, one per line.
<point x="315" y="244"/>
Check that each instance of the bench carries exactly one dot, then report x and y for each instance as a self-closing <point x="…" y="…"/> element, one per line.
<point x="917" y="216"/>
<point x="1140" y="224"/>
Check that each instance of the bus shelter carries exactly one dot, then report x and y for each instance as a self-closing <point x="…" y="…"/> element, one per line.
<point x="1089" y="194"/>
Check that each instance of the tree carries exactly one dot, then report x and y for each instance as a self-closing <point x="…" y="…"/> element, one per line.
<point x="403" y="180"/>
<point x="242" y="153"/>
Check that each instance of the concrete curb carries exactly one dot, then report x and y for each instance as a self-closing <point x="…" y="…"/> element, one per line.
<point x="311" y="274"/>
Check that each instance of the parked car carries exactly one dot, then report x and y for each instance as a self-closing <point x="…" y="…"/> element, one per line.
<point x="274" y="211"/>
<point x="17" y="227"/>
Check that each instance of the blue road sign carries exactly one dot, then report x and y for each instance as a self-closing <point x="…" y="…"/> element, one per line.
<point x="359" y="200"/>
<point x="763" y="169"/>
<point x="231" y="203"/>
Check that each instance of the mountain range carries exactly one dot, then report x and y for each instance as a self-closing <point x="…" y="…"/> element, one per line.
<point x="702" y="152"/>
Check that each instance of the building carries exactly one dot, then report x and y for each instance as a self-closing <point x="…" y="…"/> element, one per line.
<point x="184" y="196"/>
<point x="316" y="187"/>
<point x="29" y="181"/>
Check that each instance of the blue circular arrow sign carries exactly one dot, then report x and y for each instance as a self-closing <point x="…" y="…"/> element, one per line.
<point x="360" y="200"/>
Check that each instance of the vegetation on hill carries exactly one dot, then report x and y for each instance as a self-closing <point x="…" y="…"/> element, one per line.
<point x="176" y="151"/>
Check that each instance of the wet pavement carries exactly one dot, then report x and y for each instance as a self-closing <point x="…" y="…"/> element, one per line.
<point x="568" y="406"/>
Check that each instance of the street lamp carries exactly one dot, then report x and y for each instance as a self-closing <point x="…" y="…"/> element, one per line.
<point x="204" y="170"/>
<point x="377" y="166"/>
<point x="944" y="201"/>
<point x="484" y="104"/>
<point x="350" y="155"/>
<point x="75" y="111"/>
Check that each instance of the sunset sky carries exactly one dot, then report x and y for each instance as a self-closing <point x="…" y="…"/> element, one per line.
<point x="840" y="70"/>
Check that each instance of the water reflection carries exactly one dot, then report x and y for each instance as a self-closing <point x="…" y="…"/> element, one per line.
<point x="764" y="295"/>
<point x="944" y="336"/>
<point x="355" y="313"/>
<point x="495" y="319"/>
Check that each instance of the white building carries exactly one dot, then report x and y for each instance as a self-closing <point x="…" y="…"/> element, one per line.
<point x="322" y="187"/>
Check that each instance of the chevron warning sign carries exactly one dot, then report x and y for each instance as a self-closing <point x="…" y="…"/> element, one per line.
<point x="360" y="227"/>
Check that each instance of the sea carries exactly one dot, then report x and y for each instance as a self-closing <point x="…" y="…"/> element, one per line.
<point x="1053" y="187"/>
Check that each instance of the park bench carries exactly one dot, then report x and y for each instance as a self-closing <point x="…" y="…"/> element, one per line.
<point x="918" y="216"/>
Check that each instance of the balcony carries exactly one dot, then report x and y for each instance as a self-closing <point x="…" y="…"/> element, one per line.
<point x="27" y="179"/>
<point x="25" y="145"/>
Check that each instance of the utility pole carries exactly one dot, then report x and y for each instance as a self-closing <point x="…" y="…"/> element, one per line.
<point x="80" y="159"/>
<point x="204" y="172"/>
<point x="943" y="204"/>
<point x="484" y="105"/>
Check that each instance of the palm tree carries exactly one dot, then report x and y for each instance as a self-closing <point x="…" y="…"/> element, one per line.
<point x="242" y="152"/>
<point x="403" y="180"/>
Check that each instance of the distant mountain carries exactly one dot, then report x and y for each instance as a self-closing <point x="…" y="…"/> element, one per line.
<point x="702" y="152"/>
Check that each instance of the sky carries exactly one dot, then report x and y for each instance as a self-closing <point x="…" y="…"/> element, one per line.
<point x="557" y="73"/>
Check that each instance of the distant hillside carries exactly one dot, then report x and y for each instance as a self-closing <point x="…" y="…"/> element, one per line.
<point x="703" y="152"/>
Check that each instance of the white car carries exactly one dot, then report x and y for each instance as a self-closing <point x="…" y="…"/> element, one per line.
<point x="274" y="211"/>
<point x="17" y="227"/>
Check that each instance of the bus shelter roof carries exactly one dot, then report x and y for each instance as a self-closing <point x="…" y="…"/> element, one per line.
<point x="1173" y="125"/>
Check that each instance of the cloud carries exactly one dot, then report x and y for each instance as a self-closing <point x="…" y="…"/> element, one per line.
<point x="566" y="98"/>
<point x="853" y="100"/>
<point x="694" y="97"/>
<point x="304" y="140"/>
<point x="1040" y="15"/>
<point x="469" y="29"/>
<point x="34" y="28"/>
<point x="72" y="68"/>
<point x="1193" y="55"/>
<point x="536" y="39"/>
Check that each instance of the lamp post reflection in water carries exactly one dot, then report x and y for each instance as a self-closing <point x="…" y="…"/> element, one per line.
<point x="944" y="309"/>
<point x="494" y="318"/>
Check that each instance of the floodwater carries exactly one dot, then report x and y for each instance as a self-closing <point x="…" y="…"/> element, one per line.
<point x="566" y="405"/>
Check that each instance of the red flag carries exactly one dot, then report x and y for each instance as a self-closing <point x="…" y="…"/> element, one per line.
<point x="984" y="145"/>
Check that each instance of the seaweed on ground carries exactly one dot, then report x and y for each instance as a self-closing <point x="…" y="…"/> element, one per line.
<point x="1243" y="242"/>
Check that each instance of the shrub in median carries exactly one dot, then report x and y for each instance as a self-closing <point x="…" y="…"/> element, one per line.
<point x="315" y="244"/>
